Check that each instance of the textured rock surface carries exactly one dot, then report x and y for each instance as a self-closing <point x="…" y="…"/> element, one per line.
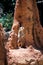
<point x="2" y="50"/>
<point x="26" y="31"/>
<point x="28" y="56"/>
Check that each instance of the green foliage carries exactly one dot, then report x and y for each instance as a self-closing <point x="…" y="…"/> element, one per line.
<point x="7" y="21"/>
<point x="8" y="8"/>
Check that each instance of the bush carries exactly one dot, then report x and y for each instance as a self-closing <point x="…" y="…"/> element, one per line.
<point x="7" y="21"/>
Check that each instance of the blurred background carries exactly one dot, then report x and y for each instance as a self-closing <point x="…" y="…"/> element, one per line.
<point x="7" y="12"/>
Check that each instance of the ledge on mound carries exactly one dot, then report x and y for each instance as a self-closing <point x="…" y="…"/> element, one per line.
<point x="25" y="56"/>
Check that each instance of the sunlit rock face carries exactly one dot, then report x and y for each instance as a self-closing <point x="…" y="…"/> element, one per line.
<point x="26" y="17"/>
<point x="26" y="31"/>
<point x="27" y="56"/>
